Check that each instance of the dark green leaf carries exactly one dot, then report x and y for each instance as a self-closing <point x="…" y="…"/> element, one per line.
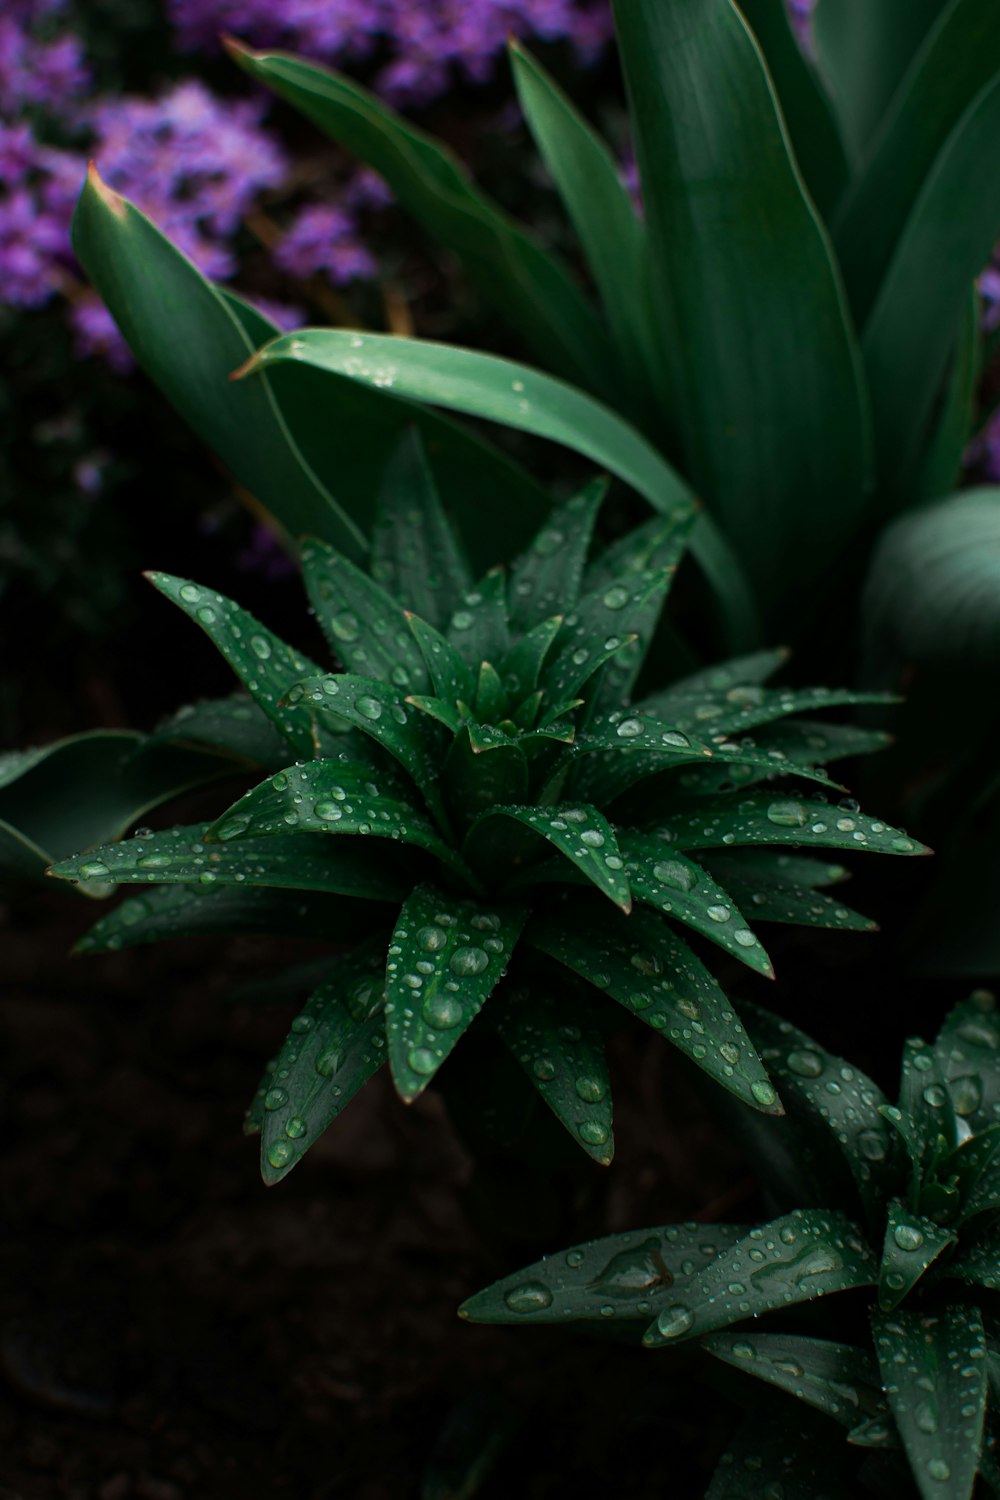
<point x="837" y="1379"/>
<point x="453" y="681"/>
<point x="933" y="592"/>
<point x="478" y="627"/>
<point x="794" y="1455"/>
<point x="912" y="1243"/>
<point x="833" y="1095"/>
<point x="501" y="390"/>
<point x="623" y="1276"/>
<point x="642" y="964"/>
<point x="779" y="900"/>
<point x="235" y="725"/>
<point x="181" y="856"/>
<point x="746" y="706"/>
<point x="581" y="834"/>
<point x="481" y="771"/>
<point x="365" y="628"/>
<point x="522" y="665"/>
<point x="808" y="1253"/>
<point x="941" y="462"/>
<point x="416" y="555"/>
<point x="815" y="135"/>
<point x="923" y="1098"/>
<point x="737" y="244"/>
<point x="61" y="798"/>
<point x="761" y="818"/>
<point x="934" y="1371"/>
<point x="188" y="337"/>
<point x="958" y="56"/>
<point x="529" y="288"/>
<point x="331" y="797"/>
<point x="380" y="712"/>
<point x="863" y="52"/>
<point x="332" y="1050"/>
<point x="553" y="1033"/>
<point x="265" y="665"/>
<point x="445" y="958"/>
<point x="685" y="891"/>
<point x="909" y="337"/>
<point x="545" y="579"/>
<point x="610" y="232"/>
<point x="171" y="911"/>
<point x="767" y="864"/>
<point x="967" y="1051"/>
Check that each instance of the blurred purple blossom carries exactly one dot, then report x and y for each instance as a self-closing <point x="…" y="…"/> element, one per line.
<point x="38" y="186"/>
<point x="48" y="74"/>
<point x="324" y="239"/>
<point x="430" y="45"/>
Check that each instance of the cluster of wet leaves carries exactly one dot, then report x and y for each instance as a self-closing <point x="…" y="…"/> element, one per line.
<point x="482" y="799"/>
<point x="918" y="1232"/>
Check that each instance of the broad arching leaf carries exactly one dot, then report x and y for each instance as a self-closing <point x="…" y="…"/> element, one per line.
<point x="751" y="314"/>
<point x="933" y="592"/>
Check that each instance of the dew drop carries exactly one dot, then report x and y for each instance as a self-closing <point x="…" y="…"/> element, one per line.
<point x="422" y="1061"/>
<point x="467" y="962"/>
<point x="786" y="814"/>
<point x="529" y="1297"/>
<point x="369" y="708"/>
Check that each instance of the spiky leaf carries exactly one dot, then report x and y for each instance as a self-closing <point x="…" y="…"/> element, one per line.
<point x="554" y="1035"/>
<point x="806" y="1254"/>
<point x="643" y="965"/>
<point x="333" y="1048"/>
<point x="416" y="555"/>
<point x="364" y="626"/>
<point x="934" y="1371"/>
<point x="761" y="818"/>
<point x="581" y="834"/>
<point x="912" y="1243"/>
<point x="628" y="1274"/>
<point x="445" y="958"/>
<point x="839" y="1380"/>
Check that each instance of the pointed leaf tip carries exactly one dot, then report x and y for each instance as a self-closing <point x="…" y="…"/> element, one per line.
<point x="112" y="200"/>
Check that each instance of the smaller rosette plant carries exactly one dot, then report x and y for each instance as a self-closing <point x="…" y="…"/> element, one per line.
<point x="911" y="1209"/>
<point x="479" y="804"/>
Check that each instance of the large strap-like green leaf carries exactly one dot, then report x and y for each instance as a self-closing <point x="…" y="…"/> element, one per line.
<point x="187" y="337"/>
<point x="759" y="818"/>
<point x="314" y="469"/>
<point x="752" y="318"/>
<point x="863" y="50"/>
<point x="60" y="798"/>
<point x="609" y="229"/>
<point x="959" y="56"/>
<point x="934" y="1373"/>
<point x="517" y="395"/>
<point x="941" y="463"/>
<point x="527" y="285"/>
<point x="815" y="135"/>
<point x="911" y="331"/>
<point x="545" y="580"/>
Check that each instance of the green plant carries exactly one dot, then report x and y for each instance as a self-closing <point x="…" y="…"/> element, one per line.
<point x="793" y="327"/>
<point x="907" y="1201"/>
<point x="488" y="732"/>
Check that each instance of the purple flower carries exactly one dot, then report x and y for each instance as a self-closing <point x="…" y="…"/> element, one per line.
<point x="324" y="239"/>
<point x="49" y="75"/>
<point x="38" y="185"/>
<point x="96" y="332"/>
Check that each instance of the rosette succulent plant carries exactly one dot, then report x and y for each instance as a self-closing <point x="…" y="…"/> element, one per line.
<point x="911" y="1215"/>
<point x="494" y="806"/>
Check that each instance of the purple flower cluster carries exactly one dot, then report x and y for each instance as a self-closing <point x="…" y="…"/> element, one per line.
<point x="428" y="45"/>
<point x="38" y="187"/>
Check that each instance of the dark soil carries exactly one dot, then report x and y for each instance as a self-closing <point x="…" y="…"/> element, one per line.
<point x="169" y="1328"/>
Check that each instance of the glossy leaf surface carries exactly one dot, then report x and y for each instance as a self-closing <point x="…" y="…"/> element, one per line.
<point x="446" y="956"/>
<point x="628" y="1274"/>
<point x="837" y="1379"/>
<point x="527" y="285"/>
<point x="643" y="965"/>
<point x="333" y="1048"/>
<point x="554" y="1035"/>
<point x="416" y="555"/>
<point x="265" y="665"/>
<point x="581" y="834"/>
<point x="808" y="1253"/>
<point x="181" y="856"/>
<point x="737" y="245"/>
<point x="934" y="1370"/>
